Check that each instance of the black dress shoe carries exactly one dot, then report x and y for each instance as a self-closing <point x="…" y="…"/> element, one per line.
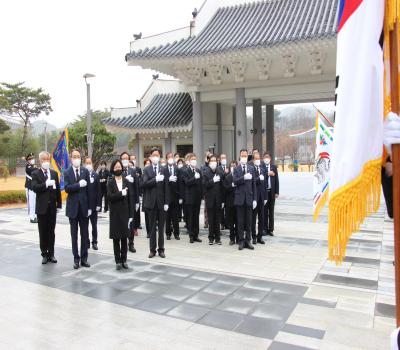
<point x="240" y="246"/>
<point x="260" y="241"/>
<point x="94" y="246"/>
<point x="198" y="240"/>
<point x="76" y="265"/>
<point x="249" y="246"/>
<point x="270" y="233"/>
<point x="85" y="264"/>
<point x="265" y="233"/>
<point x="132" y="248"/>
<point x="152" y="255"/>
<point x="161" y="254"/>
<point x="168" y="237"/>
<point x="140" y="227"/>
<point x="148" y="236"/>
<point x="177" y="238"/>
<point x="210" y="242"/>
<point x="231" y="242"/>
<point x="125" y="266"/>
<point x="218" y="242"/>
<point x="254" y="241"/>
<point x="118" y="267"/>
<point x="44" y="260"/>
<point x="88" y="244"/>
<point x="191" y="240"/>
<point x="34" y="221"/>
<point x="52" y="259"/>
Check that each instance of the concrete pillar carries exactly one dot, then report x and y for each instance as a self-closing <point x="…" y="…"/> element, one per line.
<point x="240" y="121"/>
<point x="197" y="127"/>
<point x="168" y="144"/>
<point x="257" y="125"/>
<point x="270" y="130"/>
<point x="219" y="132"/>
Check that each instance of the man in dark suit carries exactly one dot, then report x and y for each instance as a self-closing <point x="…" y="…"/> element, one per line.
<point x="30" y="194"/>
<point x="138" y="172"/>
<point x="258" y="212"/>
<point x="94" y="200"/>
<point x="104" y="174"/>
<point x="174" y="180"/>
<point x="46" y="185"/>
<point x="224" y="167"/>
<point x="133" y="192"/>
<point x="272" y="194"/>
<point x="245" y="199"/>
<point x="76" y="180"/>
<point x="156" y="200"/>
<point x="229" y="193"/>
<point x="191" y="176"/>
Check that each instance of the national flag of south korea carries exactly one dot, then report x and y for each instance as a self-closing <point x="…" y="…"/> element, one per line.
<point x="357" y="146"/>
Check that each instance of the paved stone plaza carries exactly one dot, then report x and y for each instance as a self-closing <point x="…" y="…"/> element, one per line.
<point x="284" y="295"/>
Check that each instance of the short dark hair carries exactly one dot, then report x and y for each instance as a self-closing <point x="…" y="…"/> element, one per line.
<point x="114" y="162"/>
<point x="125" y="152"/>
<point x="233" y="162"/>
<point x="155" y="149"/>
<point x="267" y="153"/>
<point x="145" y="161"/>
<point x="212" y="156"/>
<point x="176" y="154"/>
<point x="180" y="160"/>
<point x="103" y="162"/>
<point x="169" y="154"/>
<point x="244" y="150"/>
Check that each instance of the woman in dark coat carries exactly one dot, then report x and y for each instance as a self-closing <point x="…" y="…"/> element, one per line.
<point x="121" y="213"/>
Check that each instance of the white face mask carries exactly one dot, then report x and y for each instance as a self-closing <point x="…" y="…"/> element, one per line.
<point x="134" y="162"/>
<point x="243" y="160"/>
<point x="103" y="167"/>
<point x="125" y="163"/>
<point x="257" y="162"/>
<point x="267" y="161"/>
<point x="32" y="162"/>
<point x="223" y="161"/>
<point x="232" y="168"/>
<point x="155" y="160"/>
<point x="46" y="165"/>
<point x="180" y="165"/>
<point x="89" y="167"/>
<point x="193" y="163"/>
<point x="163" y="164"/>
<point x="76" y="162"/>
<point x="213" y="165"/>
<point x="170" y="161"/>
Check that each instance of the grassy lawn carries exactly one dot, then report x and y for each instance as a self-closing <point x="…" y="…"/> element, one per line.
<point x="13" y="183"/>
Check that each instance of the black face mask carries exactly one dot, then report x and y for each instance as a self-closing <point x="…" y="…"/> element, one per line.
<point x="118" y="172"/>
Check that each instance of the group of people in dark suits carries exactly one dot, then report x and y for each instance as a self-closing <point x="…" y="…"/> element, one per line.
<point x="238" y="196"/>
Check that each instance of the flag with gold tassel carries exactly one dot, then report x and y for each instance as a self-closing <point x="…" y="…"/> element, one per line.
<point x="355" y="182"/>
<point x="60" y="158"/>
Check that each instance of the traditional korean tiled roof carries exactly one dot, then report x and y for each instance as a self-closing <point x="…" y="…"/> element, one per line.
<point x="253" y="25"/>
<point x="165" y="111"/>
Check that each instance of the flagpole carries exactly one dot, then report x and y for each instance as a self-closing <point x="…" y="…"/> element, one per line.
<point x="323" y="116"/>
<point x="394" y="88"/>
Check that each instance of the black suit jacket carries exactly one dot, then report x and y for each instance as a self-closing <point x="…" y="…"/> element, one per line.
<point x="174" y="187"/>
<point x="133" y="188"/>
<point x="46" y="197"/>
<point x="274" y="180"/>
<point x="245" y="190"/>
<point x="78" y="197"/>
<point x="155" y="194"/>
<point x="261" y="186"/>
<point x="193" y="186"/>
<point x="104" y="175"/>
<point x="213" y="191"/>
<point x="94" y="191"/>
<point x="229" y="190"/>
<point x="29" y="169"/>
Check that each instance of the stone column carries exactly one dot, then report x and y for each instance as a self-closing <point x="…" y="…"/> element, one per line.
<point x="197" y="127"/>
<point x="240" y="121"/>
<point x="219" y="132"/>
<point x="136" y="149"/>
<point x="270" y="130"/>
<point x="257" y="125"/>
<point x="168" y="144"/>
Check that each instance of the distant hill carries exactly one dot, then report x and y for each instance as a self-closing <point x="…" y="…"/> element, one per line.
<point x="39" y="125"/>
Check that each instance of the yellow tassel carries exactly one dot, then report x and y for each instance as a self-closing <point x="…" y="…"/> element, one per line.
<point x="350" y="205"/>
<point x="321" y="204"/>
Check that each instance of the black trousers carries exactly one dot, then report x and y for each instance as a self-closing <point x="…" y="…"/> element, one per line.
<point x="156" y="217"/>
<point x="244" y="218"/>
<point x="214" y="224"/>
<point x="82" y="222"/>
<point x="104" y="195"/>
<point x="147" y="222"/>
<point x="47" y="225"/>
<point x="230" y="222"/>
<point x="93" y="222"/>
<point x="132" y="229"/>
<point x="269" y="213"/>
<point x="223" y="217"/>
<point x="193" y="214"/>
<point x="120" y="250"/>
<point x="258" y="213"/>
<point x="172" y="221"/>
<point x="136" y="219"/>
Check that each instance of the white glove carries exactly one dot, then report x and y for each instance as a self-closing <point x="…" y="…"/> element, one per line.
<point x="159" y="177"/>
<point x="89" y="212"/>
<point x="265" y="201"/>
<point x="58" y="210"/>
<point x="98" y="208"/>
<point x="82" y="183"/>
<point x="50" y="183"/>
<point x="166" y="207"/>
<point x="129" y="178"/>
<point x="129" y="222"/>
<point x="216" y="178"/>
<point x="137" y="206"/>
<point x="254" y="205"/>
<point x="248" y="176"/>
<point x="196" y="175"/>
<point x="262" y="177"/>
<point x="91" y="180"/>
<point x="222" y="205"/>
<point x="173" y="178"/>
<point x="391" y="131"/>
<point x="180" y="201"/>
<point x="124" y="191"/>
<point x="233" y="185"/>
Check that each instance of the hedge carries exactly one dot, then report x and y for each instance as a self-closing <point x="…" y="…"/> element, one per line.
<point x="7" y="197"/>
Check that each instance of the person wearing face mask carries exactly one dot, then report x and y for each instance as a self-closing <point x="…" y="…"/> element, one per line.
<point x="30" y="195"/>
<point x="192" y="178"/>
<point x="258" y="212"/>
<point x="94" y="192"/>
<point x="213" y="199"/>
<point x="104" y="174"/>
<point x="180" y="164"/>
<point x="133" y="192"/>
<point x="138" y="172"/>
<point x="272" y="185"/>
<point x="156" y="200"/>
<point x="203" y="168"/>
<point x="225" y="170"/>
<point x="245" y="199"/>
<point x="46" y="185"/>
<point x="146" y="163"/>
<point x="229" y="194"/>
<point x="76" y="181"/>
<point x="172" y="216"/>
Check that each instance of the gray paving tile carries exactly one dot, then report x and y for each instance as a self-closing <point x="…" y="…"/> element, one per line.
<point x="157" y="305"/>
<point x="125" y="284"/>
<point x="305" y="331"/>
<point x="222" y="319"/>
<point x="385" y="310"/>
<point x="317" y="302"/>
<point x="205" y="276"/>
<point x="180" y="272"/>
<point x="130" y="299"/>
<point x="177" y="293"/>
<point x="145" y="275"/>
<point x="220" y="288"/>
<point x="348" y="281"/>
<point x="289" y="288"/>
<point x="166" y="279"/>
<point x="249" y="294"/>
<point x="273" y="311"/>
<point x="159" y="268"/>
<point x="237" y="306"/>
<point x="205" y="299"/>
<point x="260" y="327"/>
<point x="258" y="284"/>
<point x="194" y="284"/>
<point x="10" y="232"/>
<point x="99" y="278"/>
<point x="150" y="288"/>
<point x="103" y="293"/>
<point x="236" y="281"/>
<point x="77" y="286"/>
<point x="277" y="297"/>
<point x="188" y="312"/>
<point x="276" y="345"/>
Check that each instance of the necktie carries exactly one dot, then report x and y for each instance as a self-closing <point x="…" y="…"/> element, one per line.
<point x="77" y="174"/>
<point x="170" y="170"/>
<point x="155" y="169"/>
<point x="45" y="175"/>
<point x="244" y="169"/>
<point x="257" y="170"/>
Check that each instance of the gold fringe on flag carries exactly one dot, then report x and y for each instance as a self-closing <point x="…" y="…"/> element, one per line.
<point x="321" y="203"/>
<point x="350" y="205"/>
